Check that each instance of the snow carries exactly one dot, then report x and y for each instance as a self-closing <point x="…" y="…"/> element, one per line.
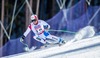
<point x="86" y="48"/>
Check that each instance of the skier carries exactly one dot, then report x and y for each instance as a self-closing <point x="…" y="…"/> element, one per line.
<point x="40" y="27"/>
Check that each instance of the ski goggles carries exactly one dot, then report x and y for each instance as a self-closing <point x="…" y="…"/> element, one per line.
<point x="33" y="20"/>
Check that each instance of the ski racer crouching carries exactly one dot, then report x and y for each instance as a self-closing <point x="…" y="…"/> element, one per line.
<point x="40" y="27"/>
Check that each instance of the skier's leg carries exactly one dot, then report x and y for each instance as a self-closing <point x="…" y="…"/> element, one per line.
<point x="43" y="41"/>
<point x="39" y="39"/>
<point x="56" y="39"/>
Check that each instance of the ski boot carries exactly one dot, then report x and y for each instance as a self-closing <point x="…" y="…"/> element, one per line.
<point x="61" y="42"/>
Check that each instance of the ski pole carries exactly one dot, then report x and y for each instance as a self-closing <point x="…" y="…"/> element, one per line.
<point x="21" y="40"/>
<point x="62" y="31"/>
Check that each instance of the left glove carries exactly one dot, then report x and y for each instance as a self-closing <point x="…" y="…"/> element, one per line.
<point x="45" y="26"/>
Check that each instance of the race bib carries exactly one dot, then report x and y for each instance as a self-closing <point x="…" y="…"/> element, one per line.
<point x="38" y="29"/>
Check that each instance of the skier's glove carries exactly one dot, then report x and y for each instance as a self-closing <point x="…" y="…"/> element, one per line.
<point x="46" y="26"/>
<point x="22" y="38"/>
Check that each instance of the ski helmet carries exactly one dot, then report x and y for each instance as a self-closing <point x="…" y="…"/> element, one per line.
<point x="33" y="17"/>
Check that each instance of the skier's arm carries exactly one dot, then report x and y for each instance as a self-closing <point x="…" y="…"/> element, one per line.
<point x="26" y="32"/>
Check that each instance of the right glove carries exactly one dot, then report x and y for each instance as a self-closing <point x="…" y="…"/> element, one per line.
<point x="22" y="38"/>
